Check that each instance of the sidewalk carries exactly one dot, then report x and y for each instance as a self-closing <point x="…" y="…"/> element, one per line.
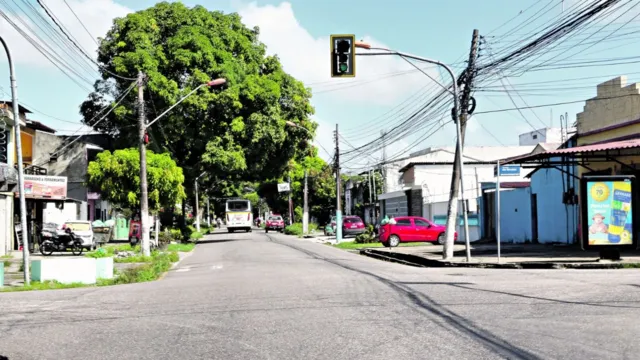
<point x="515" y="256"/>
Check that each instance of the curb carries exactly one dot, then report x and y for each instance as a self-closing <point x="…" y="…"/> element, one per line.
<point x="175" y="264"/>
<point x="419" y="261"/>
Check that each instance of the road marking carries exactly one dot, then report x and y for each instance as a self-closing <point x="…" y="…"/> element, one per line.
<point x="216" y="267"/>
<point x="183" y="270"/>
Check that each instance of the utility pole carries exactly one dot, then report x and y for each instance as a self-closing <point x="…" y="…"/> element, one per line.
<point x="338" y="186"/>
<point x="144" y="195"/>
<point x="290" y="203"/>
<point x="375" y="197"/>
<point x="370" y="198"/>
<point x="457" y="185"/>
<point x="197" y="207"/>
<point x="497" y="199"/>
<point x="384" y="161"/>
<point x="305" y="213"/>
<point x="209" y="214"/>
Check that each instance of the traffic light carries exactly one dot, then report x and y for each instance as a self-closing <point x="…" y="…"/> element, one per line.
<point x="343" y="56"/>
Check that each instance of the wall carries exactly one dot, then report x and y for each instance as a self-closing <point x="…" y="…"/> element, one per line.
<point x="72" y="163"/>
<point x="515" y="215"/>
<point x="557" y="222"/>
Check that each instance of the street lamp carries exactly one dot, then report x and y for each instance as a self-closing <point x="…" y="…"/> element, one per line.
<point x="451" y="225"/>
<point x="144" y="197"/>
<point x="305" y="206"/>
<point x="16" y="129"/>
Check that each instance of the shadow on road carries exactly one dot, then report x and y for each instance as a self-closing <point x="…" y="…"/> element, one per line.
<point x="217" y="241"/>
<point x="424" y="302"/>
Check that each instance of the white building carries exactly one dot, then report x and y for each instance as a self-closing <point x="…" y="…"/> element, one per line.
<point x="424" y="181"/>
<point x="546" y="135"/>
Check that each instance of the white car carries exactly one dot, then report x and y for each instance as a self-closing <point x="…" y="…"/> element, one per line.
<point x="81" y="229"/>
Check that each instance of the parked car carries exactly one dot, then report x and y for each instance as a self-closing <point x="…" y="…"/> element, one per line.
<point x="411" y="229"/>
<point x="352" y="225"/>
<point x="274" y="222"/>
<point x="82" y="229"/>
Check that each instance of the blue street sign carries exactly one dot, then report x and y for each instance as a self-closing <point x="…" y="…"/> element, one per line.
<point x="508" y="170"/>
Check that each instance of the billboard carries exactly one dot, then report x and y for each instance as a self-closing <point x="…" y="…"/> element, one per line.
<point x="608" y="206"/>
<point x="284" y="187"/>
<point x="43" y="186"/>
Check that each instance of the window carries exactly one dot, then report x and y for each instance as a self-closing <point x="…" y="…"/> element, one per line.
<point x="421" y="223"/>
<point x="275" y="218"/>
<point x="238" y="206"/>
<point x="350" y="220"/>
<point x="535" y="136"/>
<point x="403" y="222"/>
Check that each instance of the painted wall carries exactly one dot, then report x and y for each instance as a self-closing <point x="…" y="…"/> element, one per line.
<point x="557" y="222"/>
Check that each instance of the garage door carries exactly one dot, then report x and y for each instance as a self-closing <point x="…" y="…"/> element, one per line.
<point x="396" y="206"/>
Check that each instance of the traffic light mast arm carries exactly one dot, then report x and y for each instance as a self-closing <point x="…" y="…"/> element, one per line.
<point x="455" y="94"/>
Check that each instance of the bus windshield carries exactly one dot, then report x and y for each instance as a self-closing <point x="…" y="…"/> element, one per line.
<point x="238" y="205"/>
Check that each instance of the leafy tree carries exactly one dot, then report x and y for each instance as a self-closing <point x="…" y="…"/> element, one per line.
<point x="236" y="133"/>
<point x="116" y="177"/>
<point x="320" y="182"/>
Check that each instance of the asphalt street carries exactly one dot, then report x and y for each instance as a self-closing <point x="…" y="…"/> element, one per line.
<point x="252" y="296"/>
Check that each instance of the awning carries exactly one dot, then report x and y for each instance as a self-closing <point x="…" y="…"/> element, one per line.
<point x="393" y="194"/>
<point x="593" y="152"/>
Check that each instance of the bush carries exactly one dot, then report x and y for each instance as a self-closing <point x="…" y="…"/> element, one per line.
<point x="293" y="229"/>
<point x="195" y="236"/>
<point x="367" y="237"/>
<point x="176" y="234"/>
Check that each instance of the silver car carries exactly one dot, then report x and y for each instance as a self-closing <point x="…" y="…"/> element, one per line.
<point x="81" y="229"/>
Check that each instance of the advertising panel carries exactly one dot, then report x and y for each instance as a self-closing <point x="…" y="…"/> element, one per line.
<point x="42" y="186"/>
<point x="608" y="205"/>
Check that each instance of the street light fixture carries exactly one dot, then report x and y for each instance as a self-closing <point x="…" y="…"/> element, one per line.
<point x="450" y="231"/>
<point x="144" y="199"/>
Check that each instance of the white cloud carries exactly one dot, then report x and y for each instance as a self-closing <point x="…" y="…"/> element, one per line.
<point x="97" y="16"/>
<point x="307" y="58"/>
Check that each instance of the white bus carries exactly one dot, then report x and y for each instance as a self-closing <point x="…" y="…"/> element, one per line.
<point x="239" y="215"/>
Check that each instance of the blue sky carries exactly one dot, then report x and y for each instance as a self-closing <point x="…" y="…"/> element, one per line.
<point x="298" y="32"/>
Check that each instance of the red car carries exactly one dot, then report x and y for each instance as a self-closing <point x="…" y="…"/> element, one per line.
<point x="274" y="222"/>
<point x="412" y="229"/>
<point x="352" y="225"/>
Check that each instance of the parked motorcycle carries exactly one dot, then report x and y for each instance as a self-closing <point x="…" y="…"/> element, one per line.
<point x="53" y="242"/>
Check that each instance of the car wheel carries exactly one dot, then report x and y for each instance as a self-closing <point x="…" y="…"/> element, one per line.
<point x="441" y="239"/>
<point x="394" y="240"/>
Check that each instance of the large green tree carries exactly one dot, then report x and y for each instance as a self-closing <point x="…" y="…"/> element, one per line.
<point x="116" y="177"/>
<point x="235" y="133"/>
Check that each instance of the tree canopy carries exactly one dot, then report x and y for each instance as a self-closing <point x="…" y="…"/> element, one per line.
<point x="237" y="132"/>
<point x="116" y="177"/>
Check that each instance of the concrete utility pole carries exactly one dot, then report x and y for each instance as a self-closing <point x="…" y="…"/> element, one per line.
<point x="338" y="186"/>
<point x="209" y="214"/>
<point x="197" y="207"/>
<point x="457" y="186"/>
<point x="375" y="197"/>
<point x="370" y="198"/>
<point x="383" y="167"/>
<point x="305" y="213"/>
<point x="16" y="128"/>
<point x="290" y="203"/>
<point x="144" y="195"/>
<point x="497" y="199"/>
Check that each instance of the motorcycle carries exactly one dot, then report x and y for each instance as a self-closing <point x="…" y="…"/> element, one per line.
<point x="53" y="242"/>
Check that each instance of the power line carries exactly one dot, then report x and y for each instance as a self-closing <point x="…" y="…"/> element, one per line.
<point x="81" y="23"/>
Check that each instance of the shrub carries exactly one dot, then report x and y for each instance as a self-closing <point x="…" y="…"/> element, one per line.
<point x="176" y="234"/>
<point x="367" y="237"/>
<point x="195" y="236"/>
<point x="160" y="263"/>
<point x="293" y="229"/>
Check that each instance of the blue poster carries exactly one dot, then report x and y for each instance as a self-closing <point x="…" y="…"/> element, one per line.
<point x="609" y="213"/>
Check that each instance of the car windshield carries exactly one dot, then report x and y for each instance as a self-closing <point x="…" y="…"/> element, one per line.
<point x="352" y="220"/>
<point x="275" y="218"/>
<point x="78" y="226"/>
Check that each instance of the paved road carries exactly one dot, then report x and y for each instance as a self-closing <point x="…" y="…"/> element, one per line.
<point x="246" y="296"/>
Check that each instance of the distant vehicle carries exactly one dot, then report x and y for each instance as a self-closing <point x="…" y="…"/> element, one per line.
<point x="352" y="225"/>
<point x="274" y="222"/>
<point x="239" y="215"/>
<point x="411" y="229"/>
<point x="82" y="231"/>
